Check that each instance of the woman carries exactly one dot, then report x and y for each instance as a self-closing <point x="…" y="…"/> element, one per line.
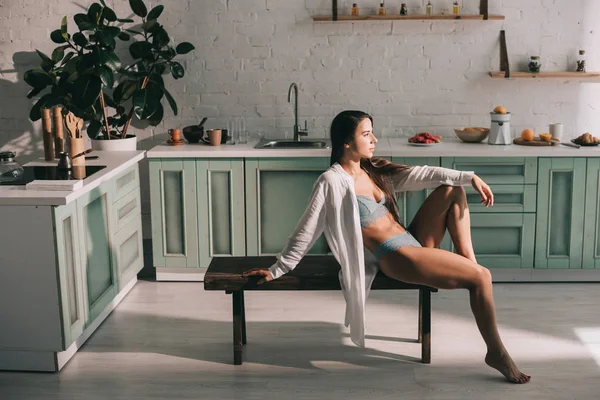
<point x="353" y="204"/>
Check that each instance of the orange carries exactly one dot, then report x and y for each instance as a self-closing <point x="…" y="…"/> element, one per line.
<point x="527" y="135"/>
<point x="546" y="137"/>
<point x="500" y="110"/>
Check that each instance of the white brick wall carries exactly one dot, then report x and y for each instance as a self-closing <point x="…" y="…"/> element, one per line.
<point x="409" y="75"/>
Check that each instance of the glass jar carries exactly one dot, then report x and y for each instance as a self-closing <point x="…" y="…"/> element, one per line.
<point x="455" y="8"/>
<point x="10" y="170"/>
<point x="354" y="11"/>
<point x="429" y="9"/>
<point x="581" y="61"/>
<point x="534" y="64"/>
<point x="382" y="10"/>
<point x="403" y="9"/>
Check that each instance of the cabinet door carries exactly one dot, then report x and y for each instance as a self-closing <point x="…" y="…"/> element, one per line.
<point x="221" y="224"/>
<point x="409" y="203"/>
<point x="73" y="304"/>
<point x="94" y="227"/>
<point x="174" y="213"/>
<point x="277" y="191"/>
<point x="591" y="237"/>
<point x="128" y="251"/>
<point x="560" y="212"/>
<point x="497" y="170"/>
<point x="503" y="240"/>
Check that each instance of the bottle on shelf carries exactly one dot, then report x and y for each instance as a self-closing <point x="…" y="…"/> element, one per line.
<point x="455" y="8"/>
<point x="534" y="64"/>
<point x="354" y="11"/>
<point x="382" y="10"/>
<point x="429" y="9"/>
<point x="581" y="61"/>
<point x="403" y="9"/>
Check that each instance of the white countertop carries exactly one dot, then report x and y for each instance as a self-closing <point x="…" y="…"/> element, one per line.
<point x="398" y="147"/>
<point x="115" y="162"/>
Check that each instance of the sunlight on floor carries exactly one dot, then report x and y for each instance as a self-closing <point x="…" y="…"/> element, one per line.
<point x="590" y="337"/>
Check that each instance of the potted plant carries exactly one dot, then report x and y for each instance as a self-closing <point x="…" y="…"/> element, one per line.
<point x="85" y="75"/>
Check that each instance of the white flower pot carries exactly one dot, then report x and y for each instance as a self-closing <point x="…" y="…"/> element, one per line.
<point x="127" y="144"/>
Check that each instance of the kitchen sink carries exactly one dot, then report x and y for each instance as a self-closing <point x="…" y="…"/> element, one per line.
<point x="292" y="144"/>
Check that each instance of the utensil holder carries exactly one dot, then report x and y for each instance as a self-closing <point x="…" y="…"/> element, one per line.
<point x="77" y="146"/>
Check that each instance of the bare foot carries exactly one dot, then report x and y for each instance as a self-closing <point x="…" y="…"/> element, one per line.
<point x="507" y="367"/>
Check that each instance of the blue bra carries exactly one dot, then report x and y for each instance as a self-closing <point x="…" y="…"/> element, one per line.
<point x="370" y="210"/>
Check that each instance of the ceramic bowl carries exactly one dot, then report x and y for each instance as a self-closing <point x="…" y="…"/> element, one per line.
<point x="192" y="134"/>
<point x="472" y="135"/>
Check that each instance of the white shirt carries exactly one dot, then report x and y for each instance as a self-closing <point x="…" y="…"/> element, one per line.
<point x="332" y="209"/>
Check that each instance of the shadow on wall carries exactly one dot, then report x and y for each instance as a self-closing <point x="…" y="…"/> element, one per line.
<point x="17" y="132"/>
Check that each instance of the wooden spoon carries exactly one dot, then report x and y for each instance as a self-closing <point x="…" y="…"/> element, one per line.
<point x="71" y="123"/>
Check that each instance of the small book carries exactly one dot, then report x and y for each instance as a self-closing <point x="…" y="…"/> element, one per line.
<point x="59" y="185"/>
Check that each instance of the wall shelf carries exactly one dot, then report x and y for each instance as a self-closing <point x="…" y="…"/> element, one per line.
<point x="549" y="74"/>
<point x="475" y="17"/>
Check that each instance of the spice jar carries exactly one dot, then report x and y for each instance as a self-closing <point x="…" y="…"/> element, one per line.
<point x="429" y="9"/>
<point x="581" y="61"/>
<point x="382" y="10"/>
<point x="455" y="8"/>
<point x="534" y="64"/>
<point x="354" y="11"/>
<point x="403" y="9"/>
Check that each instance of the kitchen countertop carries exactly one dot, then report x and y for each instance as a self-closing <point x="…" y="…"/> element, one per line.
<point x="398" y="147"/>
<point x="115" y="162"/>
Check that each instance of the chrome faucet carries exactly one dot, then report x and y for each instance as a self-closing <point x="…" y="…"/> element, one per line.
<point x="297" y="131"/>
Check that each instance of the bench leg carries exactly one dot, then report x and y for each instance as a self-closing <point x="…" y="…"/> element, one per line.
<point x="425" y="325"/>
<point x="243" y="318"/>
<point x="238" y="307"/>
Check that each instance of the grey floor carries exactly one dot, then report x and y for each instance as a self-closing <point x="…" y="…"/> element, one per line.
<point x="173" y="340"/>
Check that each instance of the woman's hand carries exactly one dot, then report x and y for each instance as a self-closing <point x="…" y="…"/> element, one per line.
<point x="487" y="197"/>
<point x="260" y="272"/>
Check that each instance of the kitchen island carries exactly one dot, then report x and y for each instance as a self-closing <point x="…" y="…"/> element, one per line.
<point x="234" y="200"/>
<point x="67" y="259"/>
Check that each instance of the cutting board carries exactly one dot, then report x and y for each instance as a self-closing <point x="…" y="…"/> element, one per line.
<point x="536" y="142"/>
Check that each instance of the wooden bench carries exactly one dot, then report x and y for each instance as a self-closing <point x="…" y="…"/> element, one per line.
<point x="312" y="273"/>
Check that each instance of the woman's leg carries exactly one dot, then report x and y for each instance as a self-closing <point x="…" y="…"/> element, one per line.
<point x="445" y="207"/>
<point x="445" y="270"/>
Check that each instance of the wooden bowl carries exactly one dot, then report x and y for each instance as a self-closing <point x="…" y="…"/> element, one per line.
<point x="472" y="135"/>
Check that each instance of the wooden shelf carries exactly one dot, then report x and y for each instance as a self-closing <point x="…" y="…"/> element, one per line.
<point x="324" y="18"/>
<point x="550" y="74"/>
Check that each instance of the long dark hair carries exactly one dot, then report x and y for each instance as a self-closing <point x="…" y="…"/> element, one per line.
<point x="380" y="170"/>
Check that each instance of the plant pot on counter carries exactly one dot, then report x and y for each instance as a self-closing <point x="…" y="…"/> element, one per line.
<point x="127" y="144"/>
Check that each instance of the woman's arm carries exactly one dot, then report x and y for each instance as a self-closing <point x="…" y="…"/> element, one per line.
<point x="426" y="177"/>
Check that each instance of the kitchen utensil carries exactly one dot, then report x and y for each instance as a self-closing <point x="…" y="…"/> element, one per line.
<point x="83" y="153"/>
<point x="193" y="133"/>
<point x="570" y="144"/>
<point x="536" y="142"/>
<point x="79" y="126"/>
<point x="76" y="146"/>
<point x="500" y="129"/>
<point x="71" y="122"/>
<point x="472" y="135"/>
<point x="91" y="157"/>
<point x="201" y="124"/>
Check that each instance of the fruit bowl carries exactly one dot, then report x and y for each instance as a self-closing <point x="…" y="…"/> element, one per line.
<point x="472" y="135"/>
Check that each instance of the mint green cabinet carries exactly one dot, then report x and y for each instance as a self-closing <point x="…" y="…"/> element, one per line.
<point x="503" y="240"/>
<point x="591" y="230"/>
<point x="197" y="211"/>
<point x="560" y="213"/>
<point x="96" y="250"/>
<point x="70" y="273"/>
<point x="174" y="215"/>
<point x="497" y="170"/>
<point x="220" y="201"/>
<point x="277" y="191"/>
